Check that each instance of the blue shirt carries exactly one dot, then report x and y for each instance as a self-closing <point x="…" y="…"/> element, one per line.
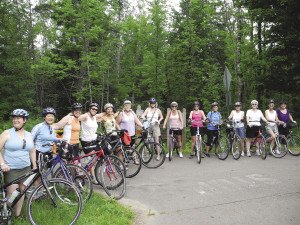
<point x="16" y="150"/>
<point x="42" y="135"/>
<point x="214" y="118"/>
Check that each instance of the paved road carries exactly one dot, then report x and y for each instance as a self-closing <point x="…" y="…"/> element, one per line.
<point x="247" y="191"/>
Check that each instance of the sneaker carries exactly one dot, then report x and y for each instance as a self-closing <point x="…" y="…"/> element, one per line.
<point x="158" y="158"/>
<point x="191" y="156"/>
<point x="167" y="155"/>
<point x="207" y="154"/>
<point x="242" y="154"/>
<point x="248" y="154"/>
<point x="257" y="153"/>
<point x="277" y="151"/>
<point x="180" y="155"/>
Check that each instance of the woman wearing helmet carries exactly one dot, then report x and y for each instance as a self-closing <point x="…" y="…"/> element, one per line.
<point x="89" y="127"/>
<point x="174" y="118"/>
<point x="253" y="116"/>
<point x="107" y="118"/>
<point x="43" y="133"/>
<point x="284" y="116"/>
<point x="127" y="119"/>
<point x="71" y="125"/>
<point x="196" y="118"/>
<point x="153" y="117"/>
<point x="238" y="116"/>
<point x="18" y="154"/>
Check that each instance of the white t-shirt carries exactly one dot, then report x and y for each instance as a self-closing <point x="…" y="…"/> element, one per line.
<point x="237" y="117"/>
<point x="254" y="117"/>
<point x="271" y="117"/>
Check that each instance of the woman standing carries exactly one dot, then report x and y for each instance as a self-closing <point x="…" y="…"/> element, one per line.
<point x="196" y="117"/>
<point x="253" y="116"/>
<point x="238" y="116"/>
<point x="285" y="117"/>
<point x="18" y="154"/>
<point x="271" y="116"/>
<point x="127" y="119"/>
<point x="153" y="117"/>
<point x="174" y="117"/>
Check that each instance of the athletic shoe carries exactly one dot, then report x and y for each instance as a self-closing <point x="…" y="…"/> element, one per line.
<point x="167" y="155"/>
<point x="257" y="153"/>
<point x="277" y="151"/>
<point x="248" y="154"/>
<point x="207" y="154"/>
<point x="180" y="155"/>
<point x="158" y="158"/>
<point x="242" y="154"/>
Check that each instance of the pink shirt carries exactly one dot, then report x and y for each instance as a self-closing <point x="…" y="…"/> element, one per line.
<point x="197" y="119"/>
<point x="174" y="121"/>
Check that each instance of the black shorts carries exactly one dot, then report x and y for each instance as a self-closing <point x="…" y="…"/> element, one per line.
<point x="210" y="136"/>
<point x="74" y="150"/>
<point x="252" y="132"/>
<point x="194" y="131"/>
<point x="86" y="144"/>
<point x="175" y="132"/>
<point x="283" y="130"/>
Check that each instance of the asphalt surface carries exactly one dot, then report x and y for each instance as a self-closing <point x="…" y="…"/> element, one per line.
<point x="246" y="191"/>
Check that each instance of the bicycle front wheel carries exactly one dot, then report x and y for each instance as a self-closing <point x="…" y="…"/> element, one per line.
<point x="222" y="148"/>
<point x="132" y="161"/>
<point x="280" y="147"/>
<point x="77" y="175"/>
<point x="171" y="147"/>
<point x="157" y="153"/>
<point x="294" y="144"/>
<point x="236" y="147"/>
<point x="198" y="149"/>
<point x="262" y="147"/>
<point x="58" y="203"/>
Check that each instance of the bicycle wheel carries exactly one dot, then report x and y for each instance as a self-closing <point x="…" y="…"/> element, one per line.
<point x="294" y="144"/>
<point x="78" y="176"/>
<point x="145" y="154"/>
<point x="111" y="177"/>
<point x="280" y="147"/>
<point x="171" y="146"/>
<point x="132" y="161"/>
<point x="221" y="148"/>
<point x="236" y="147"/>
<point x="119" y="162"/>
<point x="156" y="160"/>
<point x="198" y="149"/>
<point x="262" y="147"/>
<point x="58" y="203"/>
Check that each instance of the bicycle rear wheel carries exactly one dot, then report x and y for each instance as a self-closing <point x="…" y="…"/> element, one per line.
<point x="280" y="147"/>
<point x="132" y="161"/>
<point x="236" y="147"/>
<point x="198" y="149"/>
<point x="221" y="148"/>
<point x="59" y="203"/>
<point x="294" y="144"/>
<point x="157" y="153"/>
<point x="111" y="177"/>
<point x="171" y="147"/>
<point x="78" y="176"/>
<point x="262" y="147"/>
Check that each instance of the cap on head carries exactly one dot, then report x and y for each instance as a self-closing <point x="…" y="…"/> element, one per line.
<point x="254" y="102"/>
<point x="48" y="110"/>
<point x="214" y="104"/>
<point x="94" y="104"/>
<point x="238" y="104"/>
<point x="152" y="100"/>
<point x="174" y="104"/>
<point x="126" y="102"/>
<point x="271" y="101"/>
<point x="108" y="105"/>
<point x="76" y="105"/>
<point x="20" y="112"/>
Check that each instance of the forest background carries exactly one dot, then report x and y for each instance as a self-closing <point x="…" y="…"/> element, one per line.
<point x="56" y="52"/>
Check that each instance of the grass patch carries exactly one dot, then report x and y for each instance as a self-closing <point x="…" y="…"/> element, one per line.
<point x="97" y="211"/>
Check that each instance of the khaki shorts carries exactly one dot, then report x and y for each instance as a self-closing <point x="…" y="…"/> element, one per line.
<point x="15" y="173"/>
<point x="271" y="128"/>
<point x="155" y="129"/>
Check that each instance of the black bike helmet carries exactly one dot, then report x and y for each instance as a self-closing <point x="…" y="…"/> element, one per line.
<point x="214" y="104"/>
<point x="48" y="110"/>
<point x="196" y="103"/>
<point x="76" y="105"/>
<point x="20" y="112"/>
<point x="152" y="100"/>
<point x="271" y="101"/>
<point x="94" y="104"/>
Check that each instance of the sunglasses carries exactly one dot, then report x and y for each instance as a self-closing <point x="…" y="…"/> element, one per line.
<point x="174" y="106"/>
<point x="24" y="144"/>
<point x="253" y="104"/>
<point x="94" y="109"/>
<point x="237" y="106"/>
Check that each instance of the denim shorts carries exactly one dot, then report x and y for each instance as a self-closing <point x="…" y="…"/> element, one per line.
<point x="240" y="131"/>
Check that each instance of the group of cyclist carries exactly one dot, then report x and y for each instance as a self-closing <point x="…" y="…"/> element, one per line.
<point x="21" y="148"/>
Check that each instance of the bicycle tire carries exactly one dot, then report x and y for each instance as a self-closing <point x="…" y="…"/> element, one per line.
<point x="198" y="149"/>
<point x="152" y="149"/>
<point x="133" y="163"/>
<point x="280" y="147"/>
<point x="221" y="148"/>
<point x="294" y="144"/>
<point x="80" y="178"/>
<point x="119" y="162"/>
<point x="262" y="147"/>
<point x="236" y="147"/>
<point x="145" y="154"/>
<point x="171" y="147"/>
<point x="68" y="202"/>
<point x="111" y="177"/>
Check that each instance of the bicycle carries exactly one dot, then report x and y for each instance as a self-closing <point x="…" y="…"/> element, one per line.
<point x="293" y="141"/>
<point x="56" y="197"/>
<point x="173" y="144"/>
<point x="280" y="147"/>
<point x="148" y="150"/>
<point x="109" y="170"/>
<point x="234" y="140"/>
<point x="58" y="168"/>
<point x="260" y="139"/>
<point x="130" y="157"/>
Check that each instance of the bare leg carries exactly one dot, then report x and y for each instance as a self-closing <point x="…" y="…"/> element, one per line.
<point x="10" y="190"/>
